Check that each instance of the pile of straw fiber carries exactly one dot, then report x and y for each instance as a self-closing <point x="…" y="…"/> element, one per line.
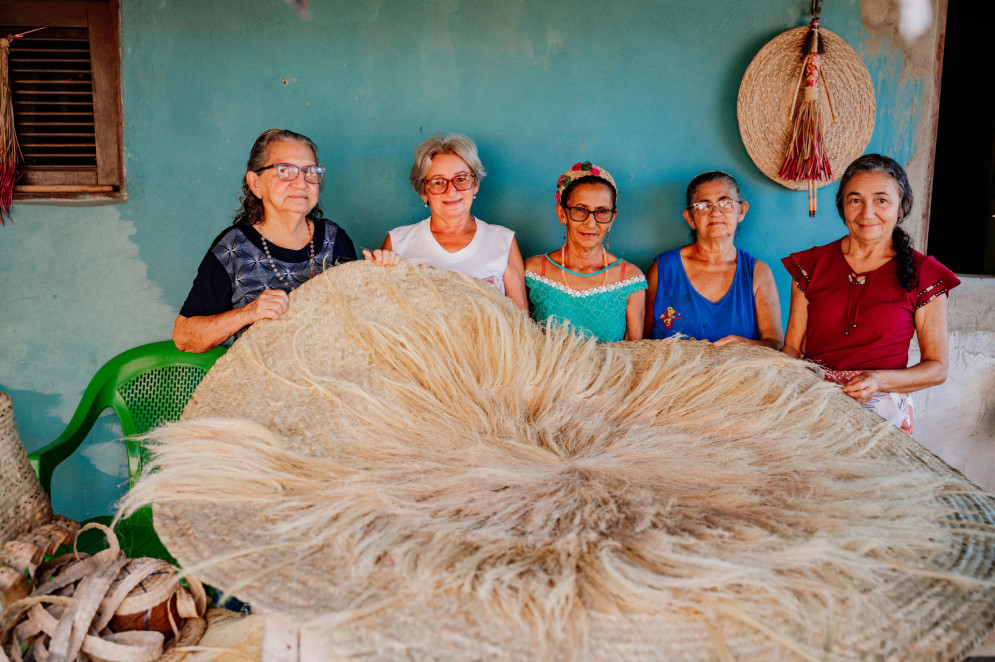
<point x="410" y="466"/>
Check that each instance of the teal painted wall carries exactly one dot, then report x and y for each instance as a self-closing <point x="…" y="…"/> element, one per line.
<point x="645" y="89"/>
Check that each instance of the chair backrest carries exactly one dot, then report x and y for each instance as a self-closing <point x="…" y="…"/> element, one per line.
<point x="146" y="386"/>
<point x="156" y="395"/>
<point x="151" y="386"/>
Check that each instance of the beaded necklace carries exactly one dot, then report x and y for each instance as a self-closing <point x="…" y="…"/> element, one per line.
<point x="563" y="266"/>
<point x="272" y="265"/>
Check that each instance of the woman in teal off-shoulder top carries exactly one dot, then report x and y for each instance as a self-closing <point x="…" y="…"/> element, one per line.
<point x="596" y="293"/>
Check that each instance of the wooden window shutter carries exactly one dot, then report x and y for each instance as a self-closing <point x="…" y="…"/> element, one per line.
<point x="66" y="88"/>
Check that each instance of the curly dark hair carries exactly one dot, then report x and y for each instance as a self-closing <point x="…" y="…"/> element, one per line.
<point x="251" y="210"/>
<point x="900" y="239"/>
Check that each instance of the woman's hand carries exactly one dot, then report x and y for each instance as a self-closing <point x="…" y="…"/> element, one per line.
<point x="270" y="304"/>
<point x="382" y="257"/>
<point x="205" y="332"/>
<point x="863" y="387"/>
<point x="731" y="338"/>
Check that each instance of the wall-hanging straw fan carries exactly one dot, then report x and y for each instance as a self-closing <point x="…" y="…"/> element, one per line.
<point x="806" y="108"/>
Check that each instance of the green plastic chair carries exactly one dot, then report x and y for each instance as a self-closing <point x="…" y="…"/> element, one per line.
<point x="145" y="386"/>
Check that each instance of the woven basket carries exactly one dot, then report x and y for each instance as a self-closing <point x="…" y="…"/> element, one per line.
<point x="23" y="503"/>
<point x="767" y="91"/>
<point x="309" y="377"/>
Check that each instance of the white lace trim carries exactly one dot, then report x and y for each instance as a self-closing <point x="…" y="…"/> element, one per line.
<point x="584" y="293"/>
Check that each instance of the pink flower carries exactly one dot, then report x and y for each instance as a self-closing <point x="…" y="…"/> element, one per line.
<point x="595" y="172"/>
<point x="557" y="196"/>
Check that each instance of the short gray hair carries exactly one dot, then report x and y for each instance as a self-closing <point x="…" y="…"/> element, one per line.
<point x="444" y="143"/>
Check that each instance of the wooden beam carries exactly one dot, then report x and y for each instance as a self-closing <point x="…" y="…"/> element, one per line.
<point x="72" y="188"/>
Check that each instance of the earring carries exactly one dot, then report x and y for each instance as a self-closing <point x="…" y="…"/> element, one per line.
<point x="564" y="235"/>
<point x="426" y="203"/>
<point x="608" y="242"/>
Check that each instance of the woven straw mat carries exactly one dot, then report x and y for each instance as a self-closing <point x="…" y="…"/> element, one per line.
<point x="766" y="94"/>
<point x="23" y="503"/>
<point x="261" y="379"/>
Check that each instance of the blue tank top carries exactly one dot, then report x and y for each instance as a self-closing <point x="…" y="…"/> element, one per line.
<point x="678" y="308"/>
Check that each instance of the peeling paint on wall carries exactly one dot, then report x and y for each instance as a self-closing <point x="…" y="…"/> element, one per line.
<point x="82" y="277"/>
<point x="76" y="293"/>
<point x="107" y="458"/>
<point x="882" y="20"/>
<point x="907" y="95"/>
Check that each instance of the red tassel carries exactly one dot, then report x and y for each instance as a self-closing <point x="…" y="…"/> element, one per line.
<point x="8" y="175"/>
<point x="8" y="139"/>
<point x="806" y="158"/>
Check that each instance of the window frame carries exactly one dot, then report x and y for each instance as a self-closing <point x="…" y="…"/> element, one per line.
<point x="102" y="20"/>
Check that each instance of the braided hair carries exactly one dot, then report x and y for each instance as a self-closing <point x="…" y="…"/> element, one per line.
<point x="900" y="239"/>
<point x="251" y="210"/>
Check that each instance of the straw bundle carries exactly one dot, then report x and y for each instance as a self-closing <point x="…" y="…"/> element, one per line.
<point x="102" y="607"/>
<point x="28" y="529"/>
<point x="23" y="503"/>
<point x="229" y="637"/>
<point x="8" y="138"/>
<point x="410" y="466"/>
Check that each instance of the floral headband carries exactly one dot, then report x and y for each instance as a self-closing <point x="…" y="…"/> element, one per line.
<point x="578" y="170"/>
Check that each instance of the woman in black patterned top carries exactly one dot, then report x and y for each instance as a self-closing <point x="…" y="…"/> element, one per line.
<point x="279" y="241"/>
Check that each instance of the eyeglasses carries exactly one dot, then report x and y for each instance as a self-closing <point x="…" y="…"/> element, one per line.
<point x="439" y="185"/>
<point x="580" y="214"/>
<point x="287" y="172"/>
<point x="725" y="206"/>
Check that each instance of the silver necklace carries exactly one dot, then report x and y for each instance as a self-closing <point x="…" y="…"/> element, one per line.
<point x="272" y="265"/>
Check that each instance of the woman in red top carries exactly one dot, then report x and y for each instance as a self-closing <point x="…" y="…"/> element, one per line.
<point x="856" y="302"/>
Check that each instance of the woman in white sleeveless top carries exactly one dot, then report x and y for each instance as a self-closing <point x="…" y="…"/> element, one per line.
<point x="446" y="175"/>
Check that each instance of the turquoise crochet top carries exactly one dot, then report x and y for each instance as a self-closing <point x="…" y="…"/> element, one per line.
<point x="597" y="313"/>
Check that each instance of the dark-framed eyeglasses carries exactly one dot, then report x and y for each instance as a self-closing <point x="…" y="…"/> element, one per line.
<point x="439" y="185"/>
<point x="580" y="214"/>
<point x="287" y="172"/>
<point x="725" y="206"/>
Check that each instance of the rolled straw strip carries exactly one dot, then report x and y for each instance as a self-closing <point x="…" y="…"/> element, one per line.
<point x="93" y="595"/>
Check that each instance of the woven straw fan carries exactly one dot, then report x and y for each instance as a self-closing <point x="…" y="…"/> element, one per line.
<point x="769" y="98"/>
<point x="406" y="467"/>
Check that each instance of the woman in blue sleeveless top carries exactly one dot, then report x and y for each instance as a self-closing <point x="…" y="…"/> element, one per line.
<point x="711" y="290"/>
<point x="597" y="294"/>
